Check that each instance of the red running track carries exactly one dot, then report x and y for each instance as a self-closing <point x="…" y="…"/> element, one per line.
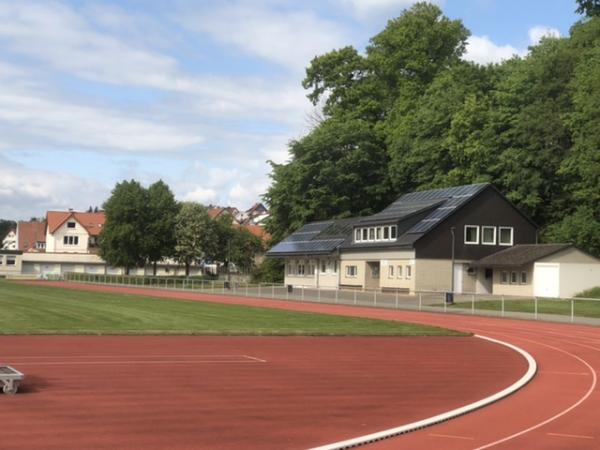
<point x="557" y="410"/>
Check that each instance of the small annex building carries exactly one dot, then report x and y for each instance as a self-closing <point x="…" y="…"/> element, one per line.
<point x="543" y="270"/>
<point x="435" y="240"/>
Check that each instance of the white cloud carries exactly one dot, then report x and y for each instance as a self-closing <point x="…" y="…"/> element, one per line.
<point x="540" y="31"/>
<point x="369" y="8"/>
<point x="482" y="50"/>
<point x="201" y="195"/>
<point x="290" y="38"/>
<point x="26" y="193"/>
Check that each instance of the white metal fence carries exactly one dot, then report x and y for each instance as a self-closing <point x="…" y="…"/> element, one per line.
<point x="579" y="310"/>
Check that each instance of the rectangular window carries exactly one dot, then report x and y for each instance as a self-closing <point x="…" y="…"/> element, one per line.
<point x="1" y="259"/>
<point x="290" y="269"/>
<point x="399" y="271"/>
<point x="11" y="260"/>
<point x="351" y="271"/>
<point x="393" y="231"/>
<point x="70" y="224"/>
<point x="488" y="235"/>
<point x="301" y="269"/>
<point x="65" y="240"/>
<point x="371" y="234"/>
<point x="76" y="240"/>
<point x="323" y="267"/>
<point x="523" y="277"/>
<point x="364" y="234"/>
<point x="386" y="232"/>
<point x="471" y="234"/>
<point x="391" y="271"/>
<point x="408" y="272"/>
<point x="357" y="234"/>
<point x="504" y="278"/>
<point x="506" y="236"/>
<point x="513" y="278"/>
<point x="378" y="233"/>
<point x="375" y="271"/>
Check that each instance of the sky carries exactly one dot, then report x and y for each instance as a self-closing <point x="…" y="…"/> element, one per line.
<point x="201" y="94"/>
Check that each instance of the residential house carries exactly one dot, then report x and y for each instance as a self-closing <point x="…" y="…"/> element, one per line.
<point x="10" y="240"/>
<point x="424" y="241"/>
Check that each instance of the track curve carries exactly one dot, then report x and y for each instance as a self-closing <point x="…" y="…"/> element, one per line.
<point x="557" y="410"/>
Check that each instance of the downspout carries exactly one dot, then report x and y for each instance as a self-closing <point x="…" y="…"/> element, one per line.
<point x="452" y="271"/>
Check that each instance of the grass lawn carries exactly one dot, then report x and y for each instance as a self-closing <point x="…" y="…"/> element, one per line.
<point x="583" y="308"/>
<point x="27" y="309"/>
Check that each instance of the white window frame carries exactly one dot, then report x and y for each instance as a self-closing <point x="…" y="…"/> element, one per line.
<point x="399" y="271"/>
<point x="357" y="232"/>
<point x="504" y="277"/>
<point x="73" y="223"/>
<point x="483" y="228"/>
<point x="390" y="271"/>
<point x="351" y="271"/>
<point x="11" y="260"/>
<point x="393" y="231"/>
<point x="365" y="234"/>
<point x="524" y="278"/>
<point x="512" y="236"/>
<point x="477" y="235"/>
<point x="408" y="272"/>
<point x="516" y="277"/>
<point x="323" y="266"/>
<point x="301" y="270"/>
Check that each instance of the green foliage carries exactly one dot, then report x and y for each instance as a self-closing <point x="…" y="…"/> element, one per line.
<point x="411" y="115"/>
<point x="589" y="8"/>
<point x="123" y="238"/>
<point x="195" y="235"/>
<point x="161" y="211"/>
<point x="269" y="271"/>
<point x="590" y="293"/>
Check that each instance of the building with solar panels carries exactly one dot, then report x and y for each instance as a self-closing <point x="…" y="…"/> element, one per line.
<point x="424" y="241"/>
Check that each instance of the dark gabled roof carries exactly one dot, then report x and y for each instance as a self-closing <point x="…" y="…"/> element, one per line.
<point x="316" y="238"/>
<point x="415" y="214"/>
<point x="521" y="255"/>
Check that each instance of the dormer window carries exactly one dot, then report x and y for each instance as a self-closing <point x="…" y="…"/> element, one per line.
<point x="70" y="224"/>
<point x="376" y="234"/>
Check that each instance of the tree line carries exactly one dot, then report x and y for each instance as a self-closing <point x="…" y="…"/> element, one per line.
<point x="146" y="225"/>
<point x="410" y="114"/>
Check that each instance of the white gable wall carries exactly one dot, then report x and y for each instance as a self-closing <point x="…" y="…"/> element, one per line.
<point x="55" y="242"/>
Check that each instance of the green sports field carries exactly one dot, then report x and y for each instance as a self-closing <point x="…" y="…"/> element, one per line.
<point x="38" y="309"/>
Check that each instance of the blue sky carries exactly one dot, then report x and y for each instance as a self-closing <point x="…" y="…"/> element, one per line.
<point x="198" y="93"/>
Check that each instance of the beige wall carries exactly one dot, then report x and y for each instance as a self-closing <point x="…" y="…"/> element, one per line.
<point x="399" y="279"/>
<point x="330" y="277"/>
<point x="359" y="279"/>
<point x="433" y="275"/>
<point x="308" y="279"/>
<point x="378" y="255"/>
<point x="515" y="289"/>
<point x="575" y="278"/>
<point x="570" y="255"/>
<point x="8" y="270"/>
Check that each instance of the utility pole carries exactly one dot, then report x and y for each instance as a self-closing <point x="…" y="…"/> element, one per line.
<point x="452" y="229"/>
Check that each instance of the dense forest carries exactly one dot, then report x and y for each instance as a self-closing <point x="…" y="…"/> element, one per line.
<point x="410" y="114"/>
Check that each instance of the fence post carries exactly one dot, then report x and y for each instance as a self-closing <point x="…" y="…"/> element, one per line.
<point x="336" y="295"/>
<point x="572" y="310"/>
<point x="302" y="293"/>
<point x="212" y="288"/>
<point x="287" y="294"/>
<point x="396" y="298"/>
<point x="259" y="289"/>
<point x="445" y="304"/>
<point x="375" y="297"/>
<point x="318" y="294"/>
<point x="355" y="296"/>
<point x="473" y="304"/>
<point x="246" y="289"/>
<point x="420" y="301"/>
<point x="273" y="290"/>
<point x="536" y="307"/>
<point x="502" y="306"/>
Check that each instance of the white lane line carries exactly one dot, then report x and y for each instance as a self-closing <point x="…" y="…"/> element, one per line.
<point x="373" y="437"/>
<point x="109" y="363"/>
<point x="254" y="358"/>
<point x="553" y="372"/>
<point x="450" y="436"/>
<point x="556" y="416"/>
<point x="574" y="436"/>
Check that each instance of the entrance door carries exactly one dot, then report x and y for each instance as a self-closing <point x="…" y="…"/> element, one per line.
<point x="458" y="278"/>
<point x="372" y="275"/>
<point x="545" y="280"/>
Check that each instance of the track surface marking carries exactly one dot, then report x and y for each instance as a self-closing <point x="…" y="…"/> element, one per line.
<point x="557" y="410"/>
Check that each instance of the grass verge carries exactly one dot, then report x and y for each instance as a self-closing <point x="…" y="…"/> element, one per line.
<point x="582" y="308"/>
<point x="27" y="309"/>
